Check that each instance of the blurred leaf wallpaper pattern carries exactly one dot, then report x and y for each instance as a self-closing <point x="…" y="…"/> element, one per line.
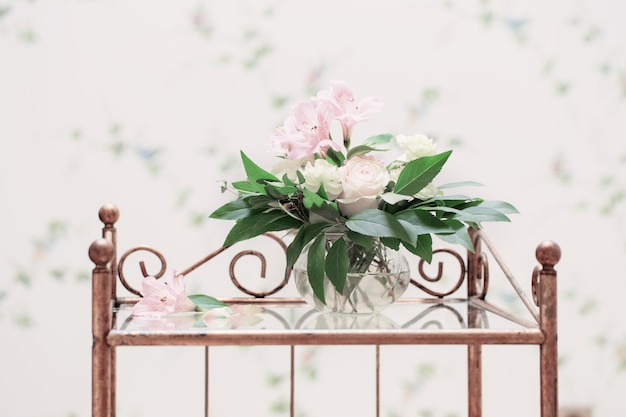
<point x="146" y="104"/>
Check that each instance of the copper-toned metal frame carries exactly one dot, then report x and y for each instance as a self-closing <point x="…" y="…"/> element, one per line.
<point x="541" y="331"/>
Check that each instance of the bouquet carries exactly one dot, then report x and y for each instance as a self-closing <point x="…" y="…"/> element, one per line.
<point x="321" y="186"/>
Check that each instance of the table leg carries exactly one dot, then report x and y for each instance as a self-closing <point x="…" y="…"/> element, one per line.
<point x="474" y="380"/>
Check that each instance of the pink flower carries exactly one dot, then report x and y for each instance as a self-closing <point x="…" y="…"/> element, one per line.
<point x="363" y="179"/>
<point x="305" y="133"/>
<point x="343" y="106"/>
<point x="311" y="120"/>
<point x="290" y="141"/>
<point x="160" y="298"/>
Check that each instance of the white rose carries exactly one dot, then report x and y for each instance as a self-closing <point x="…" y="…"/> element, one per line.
<point x="322" y="172"/>
<point x="394" y="173"/>
<point x="289" y="167"/>
<point x="416" y="146"/>
<point x="428" y="192"/>
<point x="364" y="178"/>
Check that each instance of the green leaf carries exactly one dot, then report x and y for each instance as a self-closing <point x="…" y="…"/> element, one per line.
<point x="391" y="242"/>
<point x="460" y="237"/>
<point x="371" y="144"/>
<point x="259" y="202"/>
<point x="311" y="199"/>
<point x="287" y="181"/>
<point x="315" y="266"/>
<point x="477" y="214"/>
<point x="247" y="187"/>
<point x="360" y="150"/>
<point x="327" y="213"/>
<point x="306" y="234"/>
<point x="254" y="172"/>
<point x="258" y="224"/>
<point x="334" y="157"/>
<point x="501" y="206"/>
<point x="206" y="302"/>
<point x="374" y="222"/>
<point x="451" y="211"/>
<point x="422" y="222"/>
<point x="322" y="192"/>
<point x="361" y="240"/>
<point x="450" y="200"/>
<point x="418" y="173"/>
<point x="460" y="184"/>
<point x="234" y="210"/>
<point x="300" y="175"/>
<point x="375" y="141"/>
<point x="337" y="264"/>
<point x="278" y="192"/>
<point x="423" y="247"/>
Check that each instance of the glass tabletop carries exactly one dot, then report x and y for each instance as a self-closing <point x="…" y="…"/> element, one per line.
<point x="446" y="321"/>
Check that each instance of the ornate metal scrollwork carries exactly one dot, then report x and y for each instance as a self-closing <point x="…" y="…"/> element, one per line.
<point x="481" y="280"/>
<point x="478" y="267"/>
<point x="535" y="285"/>
<point x="239" y="255"/>
<point x="233" y="262"/>
<point x="439" y="275"/>
<point x="142" y="266"/>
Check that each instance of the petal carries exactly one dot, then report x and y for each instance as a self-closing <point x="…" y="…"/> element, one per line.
<point x="183" y="304"/>
<point x="176" y="284"/>
<point x="147" y="308"/>
<point x="367" y="106"/>
<point x="151" y="288"/>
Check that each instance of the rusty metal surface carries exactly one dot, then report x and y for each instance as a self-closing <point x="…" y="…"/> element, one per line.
<point x="477" y="320"/>
<point x="101" y="252"/>
<point x="468" y="319"/>
<point x="325" y="337"/>
<point x="440" y="268"/>
<point x="548" y="254"/>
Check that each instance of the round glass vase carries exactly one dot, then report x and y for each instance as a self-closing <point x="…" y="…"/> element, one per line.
<point x="368" y="288"/>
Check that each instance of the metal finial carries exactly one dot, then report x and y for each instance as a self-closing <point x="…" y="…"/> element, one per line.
<point x="109" y="214"/>
<point x="548" y="253"/>
<point x="101" y="252"/>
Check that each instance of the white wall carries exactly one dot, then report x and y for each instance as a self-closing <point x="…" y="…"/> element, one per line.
<point x="147" y="103"/>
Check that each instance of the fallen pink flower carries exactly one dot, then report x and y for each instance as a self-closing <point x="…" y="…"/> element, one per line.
<point x="160" y="298"/>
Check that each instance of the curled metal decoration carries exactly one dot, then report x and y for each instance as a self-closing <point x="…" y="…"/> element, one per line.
<point x="535" y="285"/>
<point x="204" y="260"/>
<point x="142" y="266"/>
<point x="439" y="275"/>
<point x="482" y="275"/>
<point x="233" y="277"/>
<point x="237" y="257"/>
<point x="258" y="294"/>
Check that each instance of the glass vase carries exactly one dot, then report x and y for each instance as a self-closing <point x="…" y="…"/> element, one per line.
<point x="368" y="288"/>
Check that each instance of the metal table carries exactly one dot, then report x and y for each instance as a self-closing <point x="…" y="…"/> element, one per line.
<point x="439" y="318"/>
